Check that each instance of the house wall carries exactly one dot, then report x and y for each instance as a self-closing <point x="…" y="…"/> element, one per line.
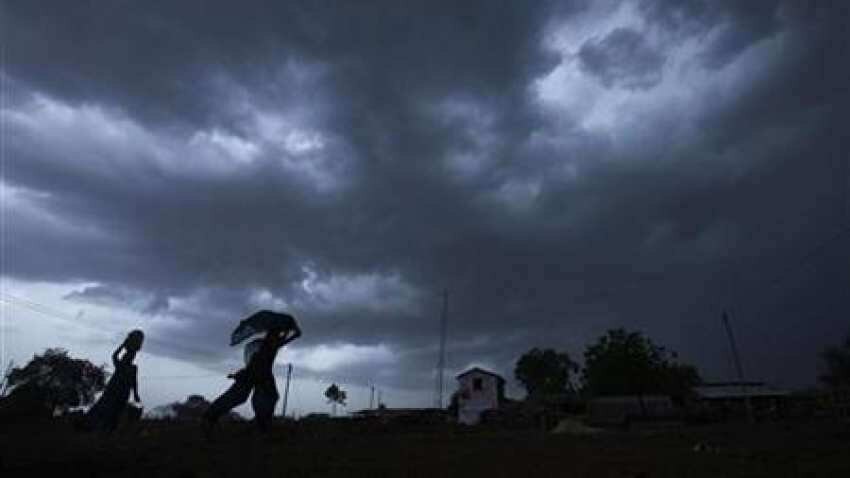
<point x="618" y="409"/>
<point x="473" y="402"/>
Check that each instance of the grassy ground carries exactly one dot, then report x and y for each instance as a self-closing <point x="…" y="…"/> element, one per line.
<point x="163" y="450"/>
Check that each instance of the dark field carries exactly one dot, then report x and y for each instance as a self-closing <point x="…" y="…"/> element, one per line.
<point x="163" y="450"/>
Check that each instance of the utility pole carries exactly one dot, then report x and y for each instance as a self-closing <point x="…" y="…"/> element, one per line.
<point x="738" y="368"/>
<point x="286" y="390"/>
<point x="372" y="397"/>
<point x="441" y="363"/>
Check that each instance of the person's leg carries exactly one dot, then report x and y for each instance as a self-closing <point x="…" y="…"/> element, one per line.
<point x="236" y="395"/>
<point x="263" y="401"/>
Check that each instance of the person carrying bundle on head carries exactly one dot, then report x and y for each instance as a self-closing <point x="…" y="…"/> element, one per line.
<point x="106" y="413"/>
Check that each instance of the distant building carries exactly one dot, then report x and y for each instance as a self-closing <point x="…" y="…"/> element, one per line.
<point x="402" y="415"/>
<point x="479" y="390"/>
<point x="738" y="391"/>
<point x="730" y="399"/>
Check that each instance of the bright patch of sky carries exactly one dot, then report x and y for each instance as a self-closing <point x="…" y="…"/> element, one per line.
<point x="232" y="146"/>
<point x="324" y="358"/>
<point x="370" y="291"/>
<point x="629" y="116"/>
<point x="519" y="195"/>
<point x="316" y="158"/>
<point x="36" y="317"/>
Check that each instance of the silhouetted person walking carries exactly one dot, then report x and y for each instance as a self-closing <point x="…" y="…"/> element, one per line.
<point x="257" y="376"/>
<point x="106" y="413"/>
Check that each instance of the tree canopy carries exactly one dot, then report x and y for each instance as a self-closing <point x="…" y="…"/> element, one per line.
<point x="545" y="372"/>
<point x="57" y="380"/>
<point x="627" y="363"/>
<point x="336" y="396"/>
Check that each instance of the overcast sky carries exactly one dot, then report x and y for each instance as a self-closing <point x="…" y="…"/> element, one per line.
<point x="562" y="168"/>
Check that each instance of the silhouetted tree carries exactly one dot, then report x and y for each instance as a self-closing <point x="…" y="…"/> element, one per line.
<point x="627" y="363"/>
<point x="837" y="361"/>
<point x="678" y="380"/>
<point x="191" y="409"/>
<point x="56" y="380"/>
<point x="4" y="383"/>
<point x="545" y="372"/>
<point x="336" y="396"/>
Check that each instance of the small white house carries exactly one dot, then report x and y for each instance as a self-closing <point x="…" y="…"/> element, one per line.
<point x="479" y="390"/>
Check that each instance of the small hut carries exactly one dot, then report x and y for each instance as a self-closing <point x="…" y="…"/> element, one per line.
<point x="479" y="390"/>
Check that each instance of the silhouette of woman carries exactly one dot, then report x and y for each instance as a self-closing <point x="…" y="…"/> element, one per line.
<point x="257" y="376"/>
<point x="106" y="413"/>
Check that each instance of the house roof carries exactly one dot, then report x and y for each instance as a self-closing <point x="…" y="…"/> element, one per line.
<point x="479" y="370"/>
<point x="724" y="391"/>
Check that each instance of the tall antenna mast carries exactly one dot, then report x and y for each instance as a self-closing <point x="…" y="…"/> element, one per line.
<point x="734" y="346"/>
<point x="738" y="368"/>
<point x="441" y="363"/>
<point x="286" y="391"/>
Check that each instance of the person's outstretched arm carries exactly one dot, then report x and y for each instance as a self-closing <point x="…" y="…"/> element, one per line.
<point x="115" y="355"/>
<point x="296" y="332"/>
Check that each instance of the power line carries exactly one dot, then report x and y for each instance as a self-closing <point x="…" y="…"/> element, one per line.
<point x="35" y="307"/>
<point x="43" y="310"/>
<point x="784" y="273"/>
<point x="776" y="280"/>
<point x="12" y="301"/>
<point x="52" y="313"/>
<point x="3" y="264"/>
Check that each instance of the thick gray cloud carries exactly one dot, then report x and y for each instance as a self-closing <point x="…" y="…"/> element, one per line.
<point x="350" y="161"/>
<point x="732" y="26"/>
<point x="623" y="58"/>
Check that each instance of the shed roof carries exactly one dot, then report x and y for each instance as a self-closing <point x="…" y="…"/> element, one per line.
<point x="480" y="370"/>
<point x="738" y="391"/>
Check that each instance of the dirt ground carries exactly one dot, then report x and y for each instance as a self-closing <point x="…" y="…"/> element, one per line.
<point x="164" y="450"/>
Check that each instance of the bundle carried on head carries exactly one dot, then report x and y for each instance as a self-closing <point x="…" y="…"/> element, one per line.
<point x="134" y="340"/>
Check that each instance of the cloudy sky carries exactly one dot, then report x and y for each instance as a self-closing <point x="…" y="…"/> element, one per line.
<point x="561" y="168"/>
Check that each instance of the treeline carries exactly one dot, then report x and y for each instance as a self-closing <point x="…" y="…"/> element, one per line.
<point x="618" y="363"/>
<point x="624" y="362"/>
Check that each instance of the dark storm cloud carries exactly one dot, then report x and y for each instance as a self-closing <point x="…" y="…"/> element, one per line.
<point x="160" y="61"/>
<point x="734" y="25"/>
<point x="622" y="58"/>
<point x="171" y="158"/>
